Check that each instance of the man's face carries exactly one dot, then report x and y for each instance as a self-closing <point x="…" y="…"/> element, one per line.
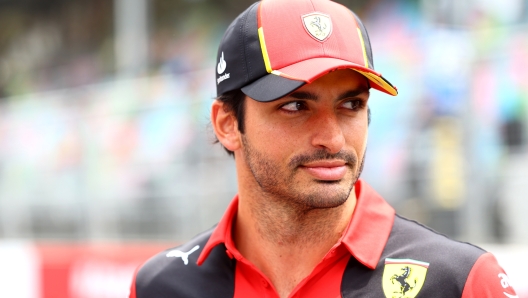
<point x="307" y="148"/>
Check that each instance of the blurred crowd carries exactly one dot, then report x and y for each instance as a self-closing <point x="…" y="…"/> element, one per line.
<point x="88" y="151"/>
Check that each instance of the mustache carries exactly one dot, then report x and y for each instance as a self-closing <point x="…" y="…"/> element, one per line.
<point x="319" y="155"/>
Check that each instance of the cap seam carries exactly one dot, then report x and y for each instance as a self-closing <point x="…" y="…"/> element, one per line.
<point x="313" y="6"/>
<point x="245" y="44"/>
<point x="242" y="45"/>
<point x="321" y="43"/>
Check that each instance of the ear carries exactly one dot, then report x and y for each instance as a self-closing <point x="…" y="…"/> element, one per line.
<point x="225" y="126"/>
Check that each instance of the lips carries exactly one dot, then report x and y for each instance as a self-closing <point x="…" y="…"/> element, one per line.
<point x="331" y="170"/>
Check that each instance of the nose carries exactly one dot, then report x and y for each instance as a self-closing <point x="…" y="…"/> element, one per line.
<point x="327" y="133"/>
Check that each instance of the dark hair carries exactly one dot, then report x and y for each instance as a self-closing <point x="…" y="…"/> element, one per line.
<point x="234" y="102"/>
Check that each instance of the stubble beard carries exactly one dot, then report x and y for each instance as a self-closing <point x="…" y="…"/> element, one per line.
<point x="279" y="184"/>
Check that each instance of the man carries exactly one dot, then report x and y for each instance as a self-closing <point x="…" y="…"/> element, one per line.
<point x="293" y="80"/>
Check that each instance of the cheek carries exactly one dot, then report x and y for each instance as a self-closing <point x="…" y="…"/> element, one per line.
<point x="356" y="137"/>
<point x="275" y="138"/>
<point x="279" y="142"/>
<point x="264" y="127"/>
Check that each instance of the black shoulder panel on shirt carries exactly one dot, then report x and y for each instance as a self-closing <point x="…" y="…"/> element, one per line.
<point x="449" y="261"/>
<point x="167" y="276"/>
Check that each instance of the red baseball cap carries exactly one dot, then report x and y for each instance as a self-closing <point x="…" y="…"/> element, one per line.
<point x="276" y="46"/>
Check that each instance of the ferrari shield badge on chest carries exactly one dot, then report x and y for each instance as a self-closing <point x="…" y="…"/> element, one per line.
<point x="403" y="278"/>
<point x="318" y="25"/>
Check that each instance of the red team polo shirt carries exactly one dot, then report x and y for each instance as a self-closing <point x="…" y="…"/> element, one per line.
<point x="379" y="255"/>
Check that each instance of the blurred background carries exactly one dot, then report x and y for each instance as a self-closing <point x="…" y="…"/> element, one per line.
<point x="106" y="153"/>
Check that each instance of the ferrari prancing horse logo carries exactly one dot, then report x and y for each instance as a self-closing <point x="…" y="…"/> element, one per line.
<point x="319" y="25"/>
<point x="403" y="278"/>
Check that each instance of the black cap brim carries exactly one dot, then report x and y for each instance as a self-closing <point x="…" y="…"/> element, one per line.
<point x="271" y="87"/>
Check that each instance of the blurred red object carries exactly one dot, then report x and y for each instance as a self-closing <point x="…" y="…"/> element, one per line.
<point x="87" y="270"/>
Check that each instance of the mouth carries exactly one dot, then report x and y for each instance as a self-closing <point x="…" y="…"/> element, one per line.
<point x="326" y="170"/>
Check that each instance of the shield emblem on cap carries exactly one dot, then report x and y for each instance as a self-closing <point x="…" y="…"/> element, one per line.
<point x="318" y="25"/>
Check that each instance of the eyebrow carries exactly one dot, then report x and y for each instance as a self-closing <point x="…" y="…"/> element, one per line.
<point x="312" y="96"/>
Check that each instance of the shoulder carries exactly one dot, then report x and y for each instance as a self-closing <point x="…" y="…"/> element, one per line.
<point x="412" y="240"/>
<point x="417" y="260"/>
<point x="449" y="262"/>
<point x="174" y="272"/>
<point x="420" y="240"/>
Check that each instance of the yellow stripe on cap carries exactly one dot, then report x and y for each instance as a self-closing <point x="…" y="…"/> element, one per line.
<point x="380" y="81"/>
<point x="363" y="47"/>
<point x="264" y="50"/>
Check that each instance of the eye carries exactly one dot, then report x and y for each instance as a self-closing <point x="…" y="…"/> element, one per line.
<point x="294" y="106"/>
<point x="354" y="104"/>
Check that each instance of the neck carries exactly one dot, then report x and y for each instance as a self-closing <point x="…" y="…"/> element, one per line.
<point x="285" y="241"/>
<point x="286" y="224"/>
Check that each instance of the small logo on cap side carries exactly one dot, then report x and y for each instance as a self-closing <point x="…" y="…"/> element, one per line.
<point x="319" y="25"/>
<point x="220" y="68"/>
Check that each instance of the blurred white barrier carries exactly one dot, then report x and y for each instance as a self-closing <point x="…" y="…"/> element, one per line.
<point x="19" y="270"/>
<point x="94" y="278"/>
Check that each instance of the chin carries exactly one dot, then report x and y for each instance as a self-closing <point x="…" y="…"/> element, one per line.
<point x="327" y="194"/>
<point x="324" y="199"/>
